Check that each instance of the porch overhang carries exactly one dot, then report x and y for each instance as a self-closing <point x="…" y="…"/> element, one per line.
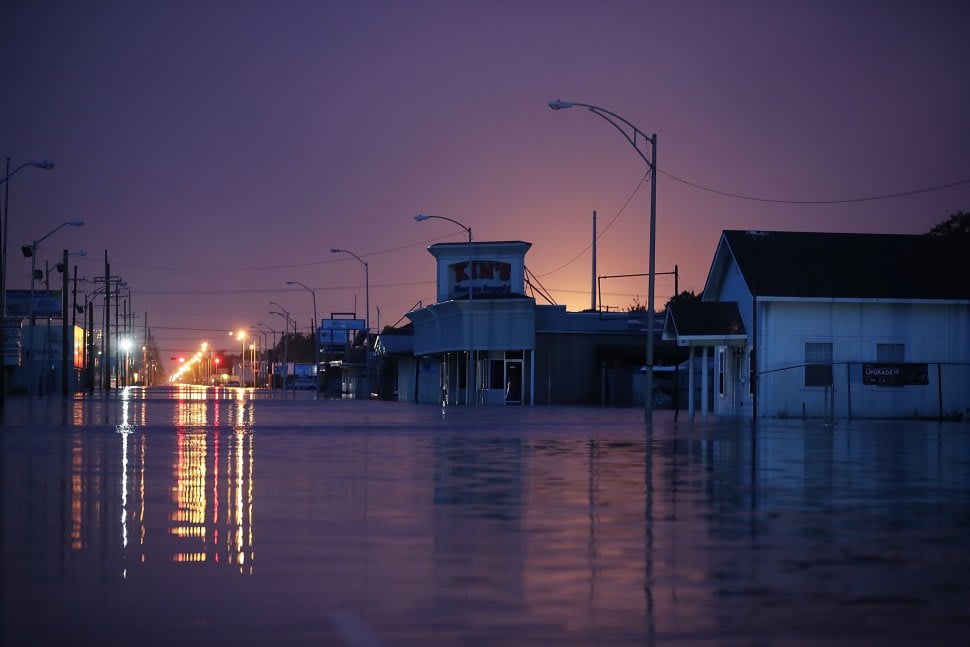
<point x="705" y="324"/>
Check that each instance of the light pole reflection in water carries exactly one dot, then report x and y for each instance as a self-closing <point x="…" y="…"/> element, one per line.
<point x="209" y="519"/>
<point x="204" y="531"/>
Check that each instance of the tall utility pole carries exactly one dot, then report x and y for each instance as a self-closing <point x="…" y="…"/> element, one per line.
<point x="89" y="344"/>
<point x="117" y="362"/>
<point x="592" y="303"/>
<point x="106" y="356"/>
<point x="65" y="344"/>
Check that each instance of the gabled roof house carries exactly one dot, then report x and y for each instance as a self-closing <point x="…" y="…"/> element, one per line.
<point x="835" y="325"/>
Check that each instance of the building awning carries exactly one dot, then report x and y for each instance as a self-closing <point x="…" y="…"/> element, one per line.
<point x="395" y="344"/>
<point x="705" y="323"/>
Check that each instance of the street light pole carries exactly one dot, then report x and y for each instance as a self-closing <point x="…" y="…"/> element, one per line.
<point x="264" y="329"/>
<point x="286" y="316"/>
<point x="470" y="375"/>
<point x="313" y="335"/>
<point x="366" y="313"/>
<point x="634" y="137"/>
<point x="31" y="251"/>
<point x="3" y="264"/>
<point x="241" y="337"/>
<point x="264" y="351"/>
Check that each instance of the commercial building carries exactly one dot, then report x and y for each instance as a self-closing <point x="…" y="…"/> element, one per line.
<point x="485" y="341"/>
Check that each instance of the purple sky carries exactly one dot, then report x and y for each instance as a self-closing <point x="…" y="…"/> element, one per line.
<point x="217" y="149"/>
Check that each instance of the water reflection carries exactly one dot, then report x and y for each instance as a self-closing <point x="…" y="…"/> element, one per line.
<point x="199" y="511"/>
<point x="548" y="526"/>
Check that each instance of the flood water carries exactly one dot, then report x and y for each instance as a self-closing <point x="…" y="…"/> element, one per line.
<point x="193" y="517"/>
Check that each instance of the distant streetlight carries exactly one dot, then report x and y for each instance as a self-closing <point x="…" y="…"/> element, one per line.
<point x="336" y="250"/>
<point x="472" y="360"/>
<point x="30" y="251"/>
<point x="634" y="138"/>
<point x="264" y="329"/>
<point x="207" y="370"/>
<point x="264" y="347"/>
<point x="286" y="333"/>
<point x="313" y="334"/>
<point x="126" y="344"/>
<point x="241" y="337"/>
<point x="366" y="284"/>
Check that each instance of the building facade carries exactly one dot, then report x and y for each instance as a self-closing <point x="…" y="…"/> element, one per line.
<point x="839" y="325"/>
<point x="486" y="342"/>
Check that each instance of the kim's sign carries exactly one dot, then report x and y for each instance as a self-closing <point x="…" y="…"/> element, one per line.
<point x="479" y="278"/>
<point x="895" y="374"/>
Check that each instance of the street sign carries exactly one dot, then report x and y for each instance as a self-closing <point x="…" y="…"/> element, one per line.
<point x="886" y="374"/>
<point x="342" y="324"/>
<point x="47" y="303"/>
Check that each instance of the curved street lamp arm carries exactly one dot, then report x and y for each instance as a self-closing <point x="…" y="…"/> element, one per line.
<point x="347" y="251"/>
<point x="421" y="217"/>
<point x="285" y="316"/>
<point x="73" y="223"/>
<point x="609" y="117"/>
<point x="273" y="303"/>
<point x="41" y="165"/>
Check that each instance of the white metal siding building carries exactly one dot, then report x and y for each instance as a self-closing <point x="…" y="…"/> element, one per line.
<point x="846" y="325"/>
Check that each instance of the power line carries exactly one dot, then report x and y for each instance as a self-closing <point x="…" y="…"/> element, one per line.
<point x="278" y="291"/>
<point x="600" y="234"/>
<point x="740" y="196"/>
<point x="839" y="201"/>
<point x="261" y="268"/>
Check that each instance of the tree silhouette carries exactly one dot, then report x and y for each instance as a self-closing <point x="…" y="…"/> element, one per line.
<point x="956" y="226"/>
<point x="686" y="296"/>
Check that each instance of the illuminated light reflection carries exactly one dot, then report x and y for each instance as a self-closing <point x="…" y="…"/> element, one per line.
<point x="77" y="414"/>
<point x="240" y="439"/>
<point x="202" y="532"/>
<point x="125" y="430"/>
<point x="77" y="493"/>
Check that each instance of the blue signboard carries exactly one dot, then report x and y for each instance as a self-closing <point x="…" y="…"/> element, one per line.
<point x="47" y="303"/>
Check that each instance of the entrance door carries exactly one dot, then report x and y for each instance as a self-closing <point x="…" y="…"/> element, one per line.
<point x="495" y="378"/>
<point x="513" y="381"/>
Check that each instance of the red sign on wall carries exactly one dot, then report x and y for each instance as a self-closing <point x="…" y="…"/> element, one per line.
<point x="479" y="277"/>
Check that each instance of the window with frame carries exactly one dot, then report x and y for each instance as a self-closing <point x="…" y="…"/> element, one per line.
<point x="890" y="353"/>
<point x="818" y="364"/>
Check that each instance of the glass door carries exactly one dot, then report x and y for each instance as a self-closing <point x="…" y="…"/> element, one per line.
<point x="513" y="381"/>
